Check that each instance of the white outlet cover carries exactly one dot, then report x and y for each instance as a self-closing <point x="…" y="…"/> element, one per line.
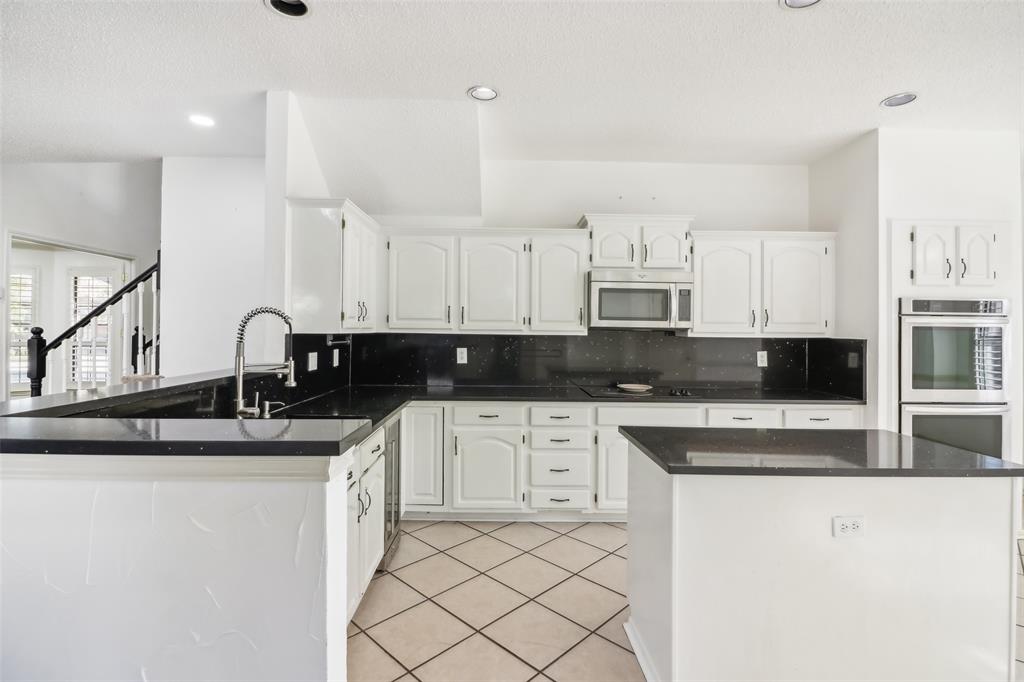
<point x="847" y="526"/>
<point x="461" y="356"/>
<point x="335" y="357"/>
<point x="311" y="360"/>
<point x="853" y="360"/>
<point x="762" y="358"/>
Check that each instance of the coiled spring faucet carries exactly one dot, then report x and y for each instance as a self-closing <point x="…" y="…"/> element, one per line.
<point x="240" y="367"/>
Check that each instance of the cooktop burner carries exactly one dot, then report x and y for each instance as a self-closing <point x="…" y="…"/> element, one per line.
<point x="655" y="392"/>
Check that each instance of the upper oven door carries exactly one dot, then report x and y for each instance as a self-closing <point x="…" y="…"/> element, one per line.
<point x="978" y="428"/>
<point x="953" y="359"/>
<point x="631" y="304"/>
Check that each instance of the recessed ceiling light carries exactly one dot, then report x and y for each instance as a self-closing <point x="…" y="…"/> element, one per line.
<point x="293" y="9"/>
<point x="898" y="100"/>
<point x="201" y="120"/>
<point x="798" y="4"/>
<point x="482" y="93"/>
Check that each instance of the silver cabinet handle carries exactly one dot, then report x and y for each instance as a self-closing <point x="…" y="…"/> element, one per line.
<point x="361" y="509"/>
<point x="820" y="419"/>
<point x="369" y="500"/>
<point x="488" y="416"/>
<point x="462" y="320"/>
<point x="949" y="268"/>
<point x="559" y="499"/>
<point x="581" y="317"/>
<point x="558" y="416"/>
<point x="753" y="319"/>
<point x="964" y="273"/>
<point x="766" y="317"/>
<point x="559" y="440"/>
<point x="631" y="253"/>
<point x="449" y="314"/>
<point x="456" y="446"/>
<point x="376" y="449"/>
<point x="645" y="253"/>
<point x="742" y="419"/>
<point x="558" y="471"/>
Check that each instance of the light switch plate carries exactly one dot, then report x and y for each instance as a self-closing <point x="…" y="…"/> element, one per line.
<point x="762" y="358"/>
<point x="311" y="360"/>
<point x="335" y="357"/>
<point x="461" y="356"/>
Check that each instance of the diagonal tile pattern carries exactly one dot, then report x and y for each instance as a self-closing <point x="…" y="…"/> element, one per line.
<point x="479" y="601"/>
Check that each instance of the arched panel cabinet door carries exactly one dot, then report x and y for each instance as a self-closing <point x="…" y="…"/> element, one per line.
<point x="935" y="262"/>
<point x="616" y="245"/>
<point x="798" y="287"/>
<point x="727" y="286"/>
<point x="487" y="468"/>
<point x="420" y="282"/>
<point x="558" y="267"/>
<point x="976" y="251"/>
<point x="492" y="283"/>
<point x="665" y="246"/>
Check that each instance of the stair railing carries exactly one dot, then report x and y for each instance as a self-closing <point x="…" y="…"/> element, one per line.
<point x="139" y="354"/>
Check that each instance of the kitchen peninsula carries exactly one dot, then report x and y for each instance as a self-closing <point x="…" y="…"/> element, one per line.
<point x="819" y="555"/>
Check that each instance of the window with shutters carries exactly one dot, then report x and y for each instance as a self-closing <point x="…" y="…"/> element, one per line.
<point x="22" y="306"/>
<point x="89" y="349"/>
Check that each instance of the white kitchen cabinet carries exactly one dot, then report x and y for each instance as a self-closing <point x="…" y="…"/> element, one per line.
<point x="421" y="282"/>
<point x="371" y="524"/>
<point x="314" y="268"/>
<point x="487" y="468"/>
<point x="665" y="246"/>
<point x="612" y="469"/>
<point x="727" y="286"/>
<point x="423" y="455"/>
<point x="359" y="269"/>
<point x="353" y="570"/>
<point x="558" y="267"/>
<point x="798" y="284"/>
<point x="976" y="250"/>
<point x="947" y="254"/>
<point x="492" y="283"/>
<point x="615" y="244"/>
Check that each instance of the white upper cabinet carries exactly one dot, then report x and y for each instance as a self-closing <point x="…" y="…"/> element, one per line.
<point x="420" y="282"/>
<point x="947" y="254"/>
<point x="727" y="286"/>
<point x="359" y="266"/>
<point x="487" y="468"/>
<point x="314" y="268"/>
<point x="558" y="267"/>
<point x="639" y="241"/>
<point x="976" y="249"/>
<point x="935" y="255"/>
<point x="665" y="246"/>
<point x="798" y="284"/>
<point x="615" y="245"/>
<point x="492" y="283"/>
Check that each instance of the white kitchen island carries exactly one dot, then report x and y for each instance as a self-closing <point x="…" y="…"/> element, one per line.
<point x="761" y="554"/>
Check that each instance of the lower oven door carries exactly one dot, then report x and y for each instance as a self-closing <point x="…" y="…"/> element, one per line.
<point x="978" y="428"/>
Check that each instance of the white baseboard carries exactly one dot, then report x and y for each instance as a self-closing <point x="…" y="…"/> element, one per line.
<point x="642" y="657"/>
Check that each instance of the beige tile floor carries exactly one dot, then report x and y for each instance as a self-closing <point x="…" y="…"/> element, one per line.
<point x="497" y="601"/>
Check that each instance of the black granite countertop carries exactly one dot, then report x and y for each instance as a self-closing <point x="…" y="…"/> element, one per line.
<point x="808" y="452"/>
<point x="98" y="436"/>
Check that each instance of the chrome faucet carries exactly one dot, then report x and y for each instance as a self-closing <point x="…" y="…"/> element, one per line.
<point x="240" y="367"/>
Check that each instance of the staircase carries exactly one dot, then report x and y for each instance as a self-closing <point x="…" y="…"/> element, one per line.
<point x="140" y="355"/>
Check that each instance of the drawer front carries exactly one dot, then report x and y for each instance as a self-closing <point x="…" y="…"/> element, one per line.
<point x="483" y="415"/>
<point x="559" y="499"/>
<point x="560" y="439"/>
<point x="803" y="418"/>
<point x="559" y="416"/>
<point x="560" y="468"/>
<point x="370" y="449"/>
<point x="745" y="417"/>
<point x="651" y="416"/>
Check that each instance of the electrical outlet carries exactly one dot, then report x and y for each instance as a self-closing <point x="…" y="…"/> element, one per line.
<point x="847" y="526"/>
<point x="853" y="360"/>
<point x="311" y="360"/>
<point x="461" y="356"/>
<point x="335" y="357"/>
<point x="762" y="358"/>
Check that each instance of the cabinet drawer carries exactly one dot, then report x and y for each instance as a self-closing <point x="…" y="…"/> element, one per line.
<point x="560" y="439"/>
<point x="559" y="416"/>
<point x="745" y="417"/>
<point x="559" y="499"/>
<point x="651" y="416"/>
<point x="560" y="468"/>
<point x="803" y="418"/>
<point x="488" y="414"/>
<point x="370" y="449"/>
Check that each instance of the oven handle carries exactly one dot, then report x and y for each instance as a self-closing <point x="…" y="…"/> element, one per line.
<point x="955" y="320"/>
<point x="957" y="409"/>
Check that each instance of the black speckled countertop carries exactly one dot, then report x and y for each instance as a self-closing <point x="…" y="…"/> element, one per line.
<point x="808" y="452"/>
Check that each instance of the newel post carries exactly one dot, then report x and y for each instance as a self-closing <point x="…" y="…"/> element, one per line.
<point x="36" y="361"/>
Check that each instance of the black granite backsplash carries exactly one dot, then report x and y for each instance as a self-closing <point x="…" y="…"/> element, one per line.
<point x="603" y="357"/>
<point x="837" y="366"/>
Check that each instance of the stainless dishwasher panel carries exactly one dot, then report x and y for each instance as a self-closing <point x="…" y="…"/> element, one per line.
<point x="392" y="490"/>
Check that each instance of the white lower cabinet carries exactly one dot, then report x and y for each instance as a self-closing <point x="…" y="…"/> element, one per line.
<point x="353" y="572"/>
<point x="553" y="498"/>
<point x="612" y="468"/>
<point x="423" y="468"/>
<point x="371" y="523"/>
<point x="487" y="468"/>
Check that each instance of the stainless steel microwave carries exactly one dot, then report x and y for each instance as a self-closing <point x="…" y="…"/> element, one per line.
<point x="638" y="299"/>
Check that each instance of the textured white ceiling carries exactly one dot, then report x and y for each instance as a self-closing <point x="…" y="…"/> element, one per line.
<point x="715" y="81"/>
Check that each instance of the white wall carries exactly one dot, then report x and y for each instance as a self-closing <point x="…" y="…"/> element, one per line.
<point x="212" y="247"/>
<point x="843" y="196"/>
<point x="556" y="193"/>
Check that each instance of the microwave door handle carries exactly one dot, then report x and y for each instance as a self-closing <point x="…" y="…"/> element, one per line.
<point x="673" y="307"/>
